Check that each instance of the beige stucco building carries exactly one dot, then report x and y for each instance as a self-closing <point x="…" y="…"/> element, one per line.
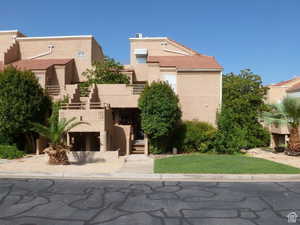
<point x="276" y="93"/>
<point x="111" y="109"/>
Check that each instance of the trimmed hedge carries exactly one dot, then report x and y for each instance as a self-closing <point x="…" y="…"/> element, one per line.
<point x="10" y="152"/>
<point x="194" y="136"/>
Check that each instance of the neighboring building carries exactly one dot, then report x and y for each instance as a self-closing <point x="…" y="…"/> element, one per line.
<point x="57" y="61"/>
<point x="112" y="109"/>
<point x="276" y="93"/>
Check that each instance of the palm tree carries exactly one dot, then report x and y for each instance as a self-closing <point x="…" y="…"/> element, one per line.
<point x="56" y="132"/>
<point x="287" y="113"/>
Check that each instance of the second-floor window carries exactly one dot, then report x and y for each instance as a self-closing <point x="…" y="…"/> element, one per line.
<point x="141" y="59"/>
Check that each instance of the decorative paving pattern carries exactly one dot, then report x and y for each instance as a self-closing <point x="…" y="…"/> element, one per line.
<point x="70" y="202"/>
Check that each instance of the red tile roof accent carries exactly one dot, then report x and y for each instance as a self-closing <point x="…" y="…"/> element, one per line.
<point x="39" y="64"/>
<point x="283" y="83"/>
<point x="186" y="62"/>
<point x="294" y="87"/>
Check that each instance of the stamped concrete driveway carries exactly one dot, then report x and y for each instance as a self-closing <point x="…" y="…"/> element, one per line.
<point x="79" y="202"/>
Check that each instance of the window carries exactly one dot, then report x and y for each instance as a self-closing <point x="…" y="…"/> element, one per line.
<point x="141" y="59"/>
<point x="80" y="54"/>
<point x="171" y="80"/>
<point x="141" y="55"/>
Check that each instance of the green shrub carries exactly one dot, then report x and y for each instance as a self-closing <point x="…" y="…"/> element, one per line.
<point x="160" y="113"/>
<point x="4" y="139"/>
<point x="194" y="136"/>
<point x="230" y="137"/>
<point x="84" y="89"/>
<point x="10" y="152"/>
<point x="261" y="137"/>
<point x="108" y="71"/>
<point x="244" y="94"/>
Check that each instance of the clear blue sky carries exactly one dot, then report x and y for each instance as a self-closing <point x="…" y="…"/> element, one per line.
<point x="263" y="35"/>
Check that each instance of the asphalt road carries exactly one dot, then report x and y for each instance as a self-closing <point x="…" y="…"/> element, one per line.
<point x="79" y="202"/>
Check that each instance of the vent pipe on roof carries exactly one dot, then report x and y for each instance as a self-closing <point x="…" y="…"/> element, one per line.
<point x="139" y="35"/>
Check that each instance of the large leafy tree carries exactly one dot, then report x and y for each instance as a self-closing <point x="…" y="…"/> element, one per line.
<point x="107" y="71"/>
<point x="244" y="95"/>
<point x="22" y="101"/>
<point x="287" y="113"/>
<point x="160" y="112"/>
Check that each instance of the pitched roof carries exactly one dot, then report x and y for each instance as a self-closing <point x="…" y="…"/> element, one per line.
<point x="186" y="62"/>
<point x="294" y="87"/>
<point x="192" y="50"/>
<point x="287" y="82"/>
<point x="39" y="64"/>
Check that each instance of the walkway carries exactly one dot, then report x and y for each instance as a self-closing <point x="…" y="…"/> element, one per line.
<point x="139" y="163"/>
<point x="276" y="157"/>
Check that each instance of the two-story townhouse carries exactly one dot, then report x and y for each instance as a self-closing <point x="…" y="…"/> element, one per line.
<point x="111" y="110"/>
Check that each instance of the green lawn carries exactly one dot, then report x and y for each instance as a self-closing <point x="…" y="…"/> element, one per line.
<point x="213" y="163"/>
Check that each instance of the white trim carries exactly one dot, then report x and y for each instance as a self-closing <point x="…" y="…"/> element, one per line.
<point x="149" y="38"/>
<point x="208" y="69"/>
<point x="9" y="31"/>
<point x="176" y="51"/>
<point x="43" y="54"/>
<point x="54" y="37"/>
<point x="141" y="51"/>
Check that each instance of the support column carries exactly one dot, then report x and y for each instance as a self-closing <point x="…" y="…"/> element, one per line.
<point x="37" y="144"/>
<point x="88" y="142"/>
<point x="103" y="141"/>
<point x="146" y="145"/>
<point x="68" y="139"/>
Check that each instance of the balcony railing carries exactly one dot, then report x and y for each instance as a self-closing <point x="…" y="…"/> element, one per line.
<point x="81" y="105"/>
<point x="53" y="90"/>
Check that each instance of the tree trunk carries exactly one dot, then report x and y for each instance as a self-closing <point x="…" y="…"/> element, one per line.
<point x="294" y="142"/>
<point x="30" y="143"/>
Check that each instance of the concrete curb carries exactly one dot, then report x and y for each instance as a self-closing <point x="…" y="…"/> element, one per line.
<point x="160" y="177"/>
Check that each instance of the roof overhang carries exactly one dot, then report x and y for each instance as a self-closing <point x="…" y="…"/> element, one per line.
<point x="199" y="70"/>
<point x="55" y="37"/>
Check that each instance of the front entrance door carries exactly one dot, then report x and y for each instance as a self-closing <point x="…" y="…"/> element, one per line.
<point x="85" y="141"/>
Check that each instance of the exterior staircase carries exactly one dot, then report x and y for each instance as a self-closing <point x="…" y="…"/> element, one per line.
<point x="53" y="90"/>
<point x="138" y="147"/>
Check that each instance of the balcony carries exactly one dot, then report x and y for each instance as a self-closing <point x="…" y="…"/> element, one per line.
<point x="97" y="116"/>
<point x="120" y="95"/>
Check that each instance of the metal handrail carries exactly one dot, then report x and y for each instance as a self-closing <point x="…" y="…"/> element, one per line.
<point x="81" y="105"/>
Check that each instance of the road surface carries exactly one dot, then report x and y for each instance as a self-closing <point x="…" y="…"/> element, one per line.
<point x="80" y="202"/>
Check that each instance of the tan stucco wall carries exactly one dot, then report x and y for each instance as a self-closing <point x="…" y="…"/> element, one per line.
<point x="121" y="138"/>
<point x="154" y="48"/>
<point x="41" y="76"/>
<point x="94" y="118"/>
<point x="117" y="95"/>
<point x="276" y="94"/>
<point x="63" y="48"/>
<point x="199" y="95"/>
<point x="6" y="40"/>
<point x="12" y="54"/>
<point x="97" y="53"/>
